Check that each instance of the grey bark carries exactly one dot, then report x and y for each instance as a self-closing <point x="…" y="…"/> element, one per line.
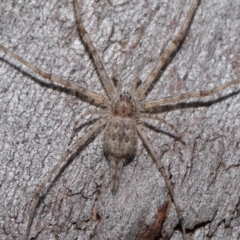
<point x="36" y="120"/>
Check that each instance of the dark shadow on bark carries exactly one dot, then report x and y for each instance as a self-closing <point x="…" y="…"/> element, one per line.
<point x="194" y="104"/>
<point x="48" y="84"/>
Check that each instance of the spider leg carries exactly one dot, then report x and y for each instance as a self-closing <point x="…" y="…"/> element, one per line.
<point x="92" y="132"/>
<point x="148" y="105"/>
<point x="107" y="83"/>
<point x="135" y="83"/>
<point x="92" y="97"/>
<point x="119" y="83"/>
<point x="161" y="169"/>
<point x="143" y="88"/>
<point x="161" y="120"/>
<point x="76" y="123"/>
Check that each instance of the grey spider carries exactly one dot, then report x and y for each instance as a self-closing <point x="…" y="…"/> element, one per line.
<point x="120" y="112"/>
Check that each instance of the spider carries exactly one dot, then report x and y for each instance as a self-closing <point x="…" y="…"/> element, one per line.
<point x="120" y="113"/>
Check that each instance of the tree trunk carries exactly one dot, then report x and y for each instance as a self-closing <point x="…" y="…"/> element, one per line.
<point x="36" y="119"/>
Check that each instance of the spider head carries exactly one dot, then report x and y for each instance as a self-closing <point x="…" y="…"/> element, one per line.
<point x="124" y="105"/>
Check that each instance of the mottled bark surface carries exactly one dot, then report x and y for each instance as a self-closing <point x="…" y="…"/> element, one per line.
<point x="36" y="120"/>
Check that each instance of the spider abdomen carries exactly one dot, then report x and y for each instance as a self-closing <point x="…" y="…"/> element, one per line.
<point x="120" y="137"/>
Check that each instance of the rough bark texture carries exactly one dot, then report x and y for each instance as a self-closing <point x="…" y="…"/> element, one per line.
<point x="36" y="120"/>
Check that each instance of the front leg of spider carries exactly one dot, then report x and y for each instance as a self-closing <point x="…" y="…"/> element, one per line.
<point x="120" y="135"/>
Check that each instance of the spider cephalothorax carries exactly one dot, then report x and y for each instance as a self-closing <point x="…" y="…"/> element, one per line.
<point x="124" y="105"/>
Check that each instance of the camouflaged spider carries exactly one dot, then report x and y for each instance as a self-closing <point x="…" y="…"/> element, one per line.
<point x="120" y="112"/>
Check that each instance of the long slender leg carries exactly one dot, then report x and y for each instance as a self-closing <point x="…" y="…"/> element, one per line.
<point x="95" y="128"/>
<point x="161" y="169"/>
<point x="107" y="83"/>
<point x="148" y="105"/>
<point x="143" y="88"/>
<point x="161" y="120"/>
<point x="89" y="112"/>
<point x="92" y="97"/>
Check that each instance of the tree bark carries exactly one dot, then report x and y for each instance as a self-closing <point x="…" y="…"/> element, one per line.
<point x="37" y="117"/>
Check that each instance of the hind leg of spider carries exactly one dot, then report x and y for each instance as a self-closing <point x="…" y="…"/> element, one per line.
<point x="161" y="120"/>
<point x="76" y="123"/>
<point x="161" y="169"/>
<point x="40" y="192"/>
